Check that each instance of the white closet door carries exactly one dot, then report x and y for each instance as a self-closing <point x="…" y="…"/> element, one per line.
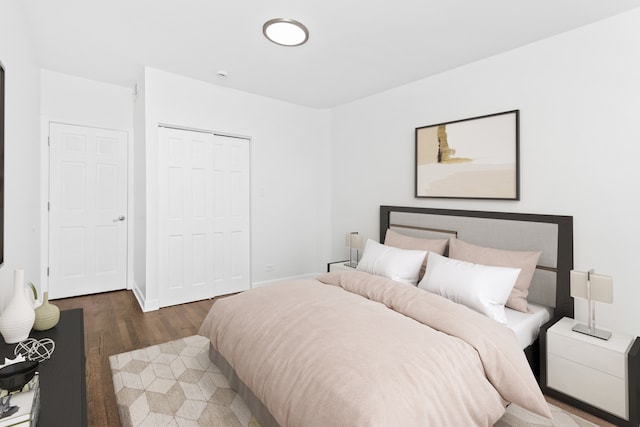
<point x="88" y="207"/>
<point x="197" y="249"/>
<point x="231" y="215"/>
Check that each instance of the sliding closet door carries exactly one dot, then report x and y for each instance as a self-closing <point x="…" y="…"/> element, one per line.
<point x="231" y="215"/>
<point x="204" y="215"/>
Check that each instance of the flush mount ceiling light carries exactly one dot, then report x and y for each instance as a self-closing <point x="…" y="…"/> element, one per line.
<point x="285" y="32"/>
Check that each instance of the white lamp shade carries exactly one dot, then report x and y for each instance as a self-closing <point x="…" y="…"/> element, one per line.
<point x="601" y="286"/>
<point x="353" y="241"/>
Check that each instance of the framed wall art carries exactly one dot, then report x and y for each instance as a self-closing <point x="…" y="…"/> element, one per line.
<point x="2" y="91"/>
<point x="475" y="158"/>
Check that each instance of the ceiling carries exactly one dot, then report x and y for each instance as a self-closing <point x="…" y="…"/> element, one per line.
<point x="356" y="47"/>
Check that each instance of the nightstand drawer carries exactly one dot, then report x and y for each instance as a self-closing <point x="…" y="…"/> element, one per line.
<point x="592" y="386"/>
<point x="586" y="353"/>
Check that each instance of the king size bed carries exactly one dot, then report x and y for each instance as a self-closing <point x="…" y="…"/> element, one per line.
<point x="399" y="341"/>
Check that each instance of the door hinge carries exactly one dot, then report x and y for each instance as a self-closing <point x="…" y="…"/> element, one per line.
<point x="49" y="206"/>
<point x="47" y="271"/>
<point x="49" y="141"/>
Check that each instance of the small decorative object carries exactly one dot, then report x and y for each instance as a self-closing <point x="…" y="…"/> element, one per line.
<point x="353" y="241"/>
<point x="593" y="287"/>
<point x="15" y="375"/>
<point x="47" y="315"/>
<point x="35" y="350"/>
<point x="18" y="316"/>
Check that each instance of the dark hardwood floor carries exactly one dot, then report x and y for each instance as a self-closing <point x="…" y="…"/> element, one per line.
<point x="114" y="323"/>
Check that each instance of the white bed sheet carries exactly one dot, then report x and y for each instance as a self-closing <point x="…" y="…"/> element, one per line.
<point x="527" y="325"/>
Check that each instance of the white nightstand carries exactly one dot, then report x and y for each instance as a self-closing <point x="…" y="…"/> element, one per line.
<point x="589" y="369"/>
<point x="339" y="265"/>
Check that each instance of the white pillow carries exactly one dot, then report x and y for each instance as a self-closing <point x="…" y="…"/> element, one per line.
<point x="480" y="287"/>
<point x="402" y="265"/>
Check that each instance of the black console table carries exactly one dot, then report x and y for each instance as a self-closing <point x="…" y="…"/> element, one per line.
<point x="63" y="396"/>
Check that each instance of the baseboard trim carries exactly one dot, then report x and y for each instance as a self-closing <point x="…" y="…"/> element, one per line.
<point x="145" y="306"/>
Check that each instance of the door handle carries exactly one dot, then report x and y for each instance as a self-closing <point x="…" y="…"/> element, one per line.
<point x="120" y="218"/>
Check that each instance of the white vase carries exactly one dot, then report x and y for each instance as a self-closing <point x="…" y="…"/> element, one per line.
<point x="18" y="316"/>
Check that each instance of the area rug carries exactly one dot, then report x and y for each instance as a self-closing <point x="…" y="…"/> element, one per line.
<point x="175" y="384"/>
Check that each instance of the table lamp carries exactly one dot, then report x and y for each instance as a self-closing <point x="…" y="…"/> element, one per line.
<point x="593" y="287"/>
<point x="353" y="241"/>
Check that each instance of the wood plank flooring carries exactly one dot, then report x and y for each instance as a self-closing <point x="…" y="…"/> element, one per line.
<point x="114" y="323"/>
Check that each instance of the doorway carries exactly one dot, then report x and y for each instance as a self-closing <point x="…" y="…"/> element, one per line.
<point x="87" y="210"/>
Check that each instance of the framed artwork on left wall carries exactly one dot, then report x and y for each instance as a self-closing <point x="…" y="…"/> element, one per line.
<point x="475" y="158"/>
<point x="1" y="163"/>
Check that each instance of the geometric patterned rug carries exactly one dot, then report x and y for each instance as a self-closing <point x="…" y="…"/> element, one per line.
<point x="175" y="384"/>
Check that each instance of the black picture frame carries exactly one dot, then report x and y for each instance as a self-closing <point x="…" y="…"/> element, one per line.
<point x="2" y="127"/>
<point x="473" y="158"/>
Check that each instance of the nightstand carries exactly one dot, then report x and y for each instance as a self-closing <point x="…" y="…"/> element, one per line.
<point x="595" y="375"/>
<point x="339" y="265"/>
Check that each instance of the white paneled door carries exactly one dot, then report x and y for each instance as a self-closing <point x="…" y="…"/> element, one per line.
<point x="87" y="210"/>
<point x="203" y="215"/>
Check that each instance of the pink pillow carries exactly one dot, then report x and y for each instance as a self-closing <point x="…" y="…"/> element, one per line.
<point x="402" y="241"/>
<point x="526" y="261"/>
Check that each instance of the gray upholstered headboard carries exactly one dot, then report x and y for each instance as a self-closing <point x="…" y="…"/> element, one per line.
<point x="551" y="234"/>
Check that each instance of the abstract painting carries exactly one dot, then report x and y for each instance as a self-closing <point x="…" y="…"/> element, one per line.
<point x="475" y="158"/>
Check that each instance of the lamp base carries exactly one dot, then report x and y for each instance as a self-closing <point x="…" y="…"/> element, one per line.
<point x="594" y="332"/>
<point x="351" y="264"/>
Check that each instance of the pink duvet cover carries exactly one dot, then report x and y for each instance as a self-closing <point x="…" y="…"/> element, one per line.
<point x="353" y="349"/>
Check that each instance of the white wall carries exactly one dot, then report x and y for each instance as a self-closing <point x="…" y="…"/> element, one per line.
<point x="579" y="100"/>
<point x="290" y="177"/>
<point x="22" y="155"/>
<point x="73" y="100"/>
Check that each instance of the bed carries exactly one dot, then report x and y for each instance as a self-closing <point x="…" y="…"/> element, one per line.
<point x="355" y="348"/>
